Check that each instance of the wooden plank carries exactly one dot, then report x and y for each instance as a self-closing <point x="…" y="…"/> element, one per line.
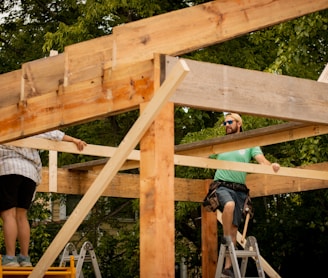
<point x="95" y="98"/>
<point x="190" y="190"/>
<point x="220" y="89"/>
<point x="201" y="162"/>
<point x="265" y="185"/>
<point x="157" y="190"/>
<point x="80" y="102"/>
<point x="324" y="75"/>
<point x="178" y="159"/>
<point x="104" y="178"/>
<point x="258" y="137"/>
<point x="53" y="159"/>
<point x="209" y="240"/>
<point x="189" y="29"/>
<point x="122" y="185"/>
<point x="69" y="147"/>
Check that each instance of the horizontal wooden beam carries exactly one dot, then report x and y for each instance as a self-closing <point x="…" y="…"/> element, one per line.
<point x="224" y="88"/>
<point x="183" y="160"/>
<point x="266" y="185"/>
<point x="79" y="102"/>
<point x="208" y="163"/>
<point x="127" y="185"/>
<point x="258" y="137"/>
<point x="185" y="30"/>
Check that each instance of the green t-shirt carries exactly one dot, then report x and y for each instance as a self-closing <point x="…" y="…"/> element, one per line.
<point x="244" y="155"/>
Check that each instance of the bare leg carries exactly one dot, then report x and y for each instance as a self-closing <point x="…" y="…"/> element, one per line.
<point x="9" y="230"/>
<point x="23" y="230"/>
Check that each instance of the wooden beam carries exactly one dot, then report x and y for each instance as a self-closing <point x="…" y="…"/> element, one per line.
<point x="201" y="162"/>
<point x="68" y="102"/>
<point x="53" y="159"/>
<point x="186" y="160"/>
<point x="157" y="190"/>
<point x="189" y="29"/>
<point x="113" y="165"/>
<point x="266" y="185"/>
<point x="258" y="137"/>
<point x="190" y="190"/>
<point x="209" y="235"/>
<point x="220" y="89"/>
<point x="69" y="147"/>
<point x="324" y="75"/>
<point x="83" y="101"/>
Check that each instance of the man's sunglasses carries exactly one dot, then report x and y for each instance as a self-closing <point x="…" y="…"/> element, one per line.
<point x="230" y="122"/>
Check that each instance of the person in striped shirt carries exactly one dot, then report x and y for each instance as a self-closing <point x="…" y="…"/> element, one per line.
<point x="20" y="173"/>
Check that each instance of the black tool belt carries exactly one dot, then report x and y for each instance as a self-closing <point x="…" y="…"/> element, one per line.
<point x="211" y="201"/>
<point x="233" y="185"/>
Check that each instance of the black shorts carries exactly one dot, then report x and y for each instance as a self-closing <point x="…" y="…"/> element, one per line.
<point x="16" y="192"/>
<point x="225" y="195"/>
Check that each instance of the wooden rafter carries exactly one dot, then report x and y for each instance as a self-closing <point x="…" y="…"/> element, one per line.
<point x="275" y="96"/>
<point x="127" y="185"/>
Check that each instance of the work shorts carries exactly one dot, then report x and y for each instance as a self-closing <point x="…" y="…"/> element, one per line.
<point x="225" y="195"/>
<point x="16" y="192"/>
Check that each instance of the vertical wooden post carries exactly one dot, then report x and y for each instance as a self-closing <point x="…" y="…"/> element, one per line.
<point x="157" y="191"/>
<point x="209" y="241"/>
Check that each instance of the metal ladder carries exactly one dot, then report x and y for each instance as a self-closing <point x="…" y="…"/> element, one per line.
<point x="251" y="250"/>
<point x="87" y="247"/>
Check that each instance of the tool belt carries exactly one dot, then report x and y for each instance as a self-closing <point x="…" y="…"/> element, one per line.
<point x="233" y="185"/>
<point x="211" y="202"/>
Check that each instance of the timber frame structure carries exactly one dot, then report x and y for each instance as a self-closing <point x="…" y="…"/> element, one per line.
<point x="131" y="69"/>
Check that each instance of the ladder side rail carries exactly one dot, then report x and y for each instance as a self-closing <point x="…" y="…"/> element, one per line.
<point x="219" y="266"/>
<point x="234" y="260"/>
<point x="244" y="262"/>
<point x="258" y="260"/>
<point x="79" y="264"/>
<point x="243" y="266"/>
<point x="95" y="263"/>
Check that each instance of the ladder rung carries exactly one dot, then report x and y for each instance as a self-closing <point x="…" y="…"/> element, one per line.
<point x="87" y="258"/>
<point x="245" y="253"/>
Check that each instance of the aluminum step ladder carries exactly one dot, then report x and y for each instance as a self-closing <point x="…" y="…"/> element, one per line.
<point x="87" y="254"/>
<point x="251" y="250"/>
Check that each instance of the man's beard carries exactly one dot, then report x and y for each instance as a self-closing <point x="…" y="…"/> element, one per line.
<point x="230" y="130"/>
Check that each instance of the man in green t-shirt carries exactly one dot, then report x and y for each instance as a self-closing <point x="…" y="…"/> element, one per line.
<point x="233" y="191"/>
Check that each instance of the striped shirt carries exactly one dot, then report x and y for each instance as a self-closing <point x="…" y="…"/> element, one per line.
<point x="25" y="161"/>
